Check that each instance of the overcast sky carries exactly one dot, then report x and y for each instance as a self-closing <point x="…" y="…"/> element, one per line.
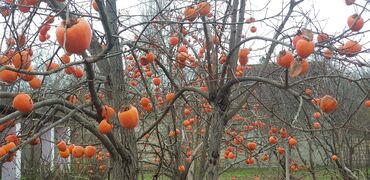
<point x="333" y="12"/>
<point x="332" y="15"/>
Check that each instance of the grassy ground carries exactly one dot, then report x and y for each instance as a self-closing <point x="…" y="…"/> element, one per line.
<point x="264" y="174"/>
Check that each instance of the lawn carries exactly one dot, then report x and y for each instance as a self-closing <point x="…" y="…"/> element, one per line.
<point x="263" y="173"/>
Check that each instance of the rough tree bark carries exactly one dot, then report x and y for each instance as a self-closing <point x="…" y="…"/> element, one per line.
<point x="122" y="168"/>
<point x="216" y="131"/>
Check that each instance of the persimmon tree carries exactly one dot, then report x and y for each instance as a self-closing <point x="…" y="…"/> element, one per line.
<point x="186" y="85"/>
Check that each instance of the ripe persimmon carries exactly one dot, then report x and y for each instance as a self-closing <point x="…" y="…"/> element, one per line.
<point x="129" y="117"/>
<point x="251" y="146"/>
<point x="23" y="102"/>
<point x="328" y="104"/>
<point x="104" y="127"/>
<point x="35" y="83"/>
<point x="62" y="146"/>
<point x="355" y="22"/>
<point x="108" y="112"/>
<point x="203" y="8"/>
<point x="21" y="60"/>
<point x="181" y="168"/>
<point x="8" y="76"/>
<point x="78" y="151"/>
<point x="304" y="47"/>
<point x="64" y="154"/>
<point x="90" y="151"/>
<point x="78" y="35"/>
<point x="285" y="58"/>
<point x="190" y="13"/>
<point x="169" y="97"/>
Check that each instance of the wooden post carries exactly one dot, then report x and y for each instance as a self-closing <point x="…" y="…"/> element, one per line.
<point x="47" y="150"/>
<point x="287" y="166"/>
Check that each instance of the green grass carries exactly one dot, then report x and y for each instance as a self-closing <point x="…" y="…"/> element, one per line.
<point x="267" y="173"/>
<point x="263" y="173"/>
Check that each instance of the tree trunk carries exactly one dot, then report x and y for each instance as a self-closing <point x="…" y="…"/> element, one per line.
<point x="312" y="163"/>
<point x="216" y="132"/>
<point x="350" y="155"/>
<point x="347" y="175"/>
<point x="124" y="169"/>
<point x="202" y="164"/>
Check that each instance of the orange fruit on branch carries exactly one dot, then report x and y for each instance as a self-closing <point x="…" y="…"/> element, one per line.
<point x="190" y="13"/>
<point x="285" y="58"/>
<point x="174" y="40"/>
<point x="317" y="115"/>
<point x="251" y="146"/>
<point x="280" y="150"/>
<point x="129" y="117"/>
<point x="35" y="83"/>
<point x="8" y="76"/>
<point x="12" y="138"/>
<point x="21" y="60"/>
<point x="169" y="97"/>
<point x="104" y="127"/>
<point x="64" y="154"/>
<point x="182" y="57"/>
<point x="367" y="103"/>
<point x="78" y="73"/>
<point x="156" y="81"/>
<point x="355" y="22"/>
<point x="65" y="59"/>
<point x="334" y="157"/>
<point x="243" y="53"/>
<point x="62" y="146"/>
<point x="249" y="161"/>
<point x="144" y="101"/>
<point x="78" y="151"/>
<point x="253" y="29"/>
<point x="283" y="133"/>
<point x="351" y="48"/>
<point x="150" y="57"/>
<point x="328" y="104"/>
<point x="90" y="151"/>
<point x="316" y="125"/>
<point x="296" y="39"/>
<point x="273" y="140"/>
<point x="183" y="48"/>
<point x="181" y="168"/>
<point x="203" y="8"/>
<point x="304" y="47"/>
<point x="78" y="35"/>
<point x="9" y="146"/>
<point x="23" y="102"/>
<point x="292" y="141"/>
<point x="2" y="152"/>
<point x="108" y="112"/>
